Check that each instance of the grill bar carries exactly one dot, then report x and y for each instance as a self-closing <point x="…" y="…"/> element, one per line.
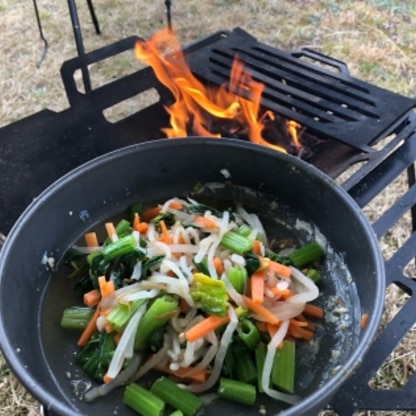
<point x="296" y="86"/>
<point x="390" y="217"/>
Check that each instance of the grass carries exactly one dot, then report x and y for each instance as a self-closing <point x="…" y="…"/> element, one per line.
<point x="375" y="38"/>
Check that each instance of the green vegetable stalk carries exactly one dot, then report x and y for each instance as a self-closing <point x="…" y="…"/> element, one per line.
<point x="123" y="228"/>
<point x="121" y="313"/>
<point x="143" y="401"/>
<point x="314" y="275"/>
<point x="245" y="369"/>
<point x="174" y="396"/>
<point x="238" y="278"/>
<point x="121" y="247"/>
<point x="260" y="356"/>
<point x="76" y="317"/>
<point x="283" y="370"/>
<point x="236" y="242"/>
<point x="306" y="254"/>
<point x="248" y="333"/>
<point x="237" y="391"/>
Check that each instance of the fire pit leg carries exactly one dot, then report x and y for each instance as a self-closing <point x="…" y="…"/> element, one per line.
<point x="42" y="36"/>
<point x="94" y="17"/>
<point x="168" y="5"/>
<point x="79" y="43"/>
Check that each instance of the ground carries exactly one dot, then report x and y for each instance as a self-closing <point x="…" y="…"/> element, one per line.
<point x="376" y="39"/>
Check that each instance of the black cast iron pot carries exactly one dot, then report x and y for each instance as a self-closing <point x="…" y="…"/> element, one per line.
<point x="282" y="188"/>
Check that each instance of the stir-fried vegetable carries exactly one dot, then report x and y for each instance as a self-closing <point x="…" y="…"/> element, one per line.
<point x="199" y="294"/>
<point x="237" y="390"/>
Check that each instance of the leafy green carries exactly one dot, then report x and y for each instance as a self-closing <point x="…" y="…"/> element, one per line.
<point x="209" y="294"/>
<point x="96" y="355"/>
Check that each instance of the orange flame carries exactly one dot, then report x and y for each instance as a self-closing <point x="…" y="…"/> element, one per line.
<point x="195" y="103"/>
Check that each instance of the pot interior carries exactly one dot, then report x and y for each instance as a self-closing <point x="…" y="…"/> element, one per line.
<point x="292" y="199"/>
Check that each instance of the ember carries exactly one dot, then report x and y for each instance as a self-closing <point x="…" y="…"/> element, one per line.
<point x="230" y="110"/>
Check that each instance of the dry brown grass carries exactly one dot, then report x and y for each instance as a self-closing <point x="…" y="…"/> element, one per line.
<point x="375" y="38"/>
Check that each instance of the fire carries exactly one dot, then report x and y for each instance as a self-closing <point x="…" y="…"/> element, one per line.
<point x="195" y="105"/>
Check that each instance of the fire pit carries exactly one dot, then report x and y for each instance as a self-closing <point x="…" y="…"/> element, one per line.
<point x="347" y="117"/>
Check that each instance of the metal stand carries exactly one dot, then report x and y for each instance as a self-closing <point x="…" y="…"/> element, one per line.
<point x="78" y="39"/>
<point x="45" y="42"/>
<point x="94" y="17"/>
<point x="168" y="5"/>
<point x="78" y="35"/>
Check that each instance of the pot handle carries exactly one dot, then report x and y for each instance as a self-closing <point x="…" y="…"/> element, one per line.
<point x="320" y="60"/>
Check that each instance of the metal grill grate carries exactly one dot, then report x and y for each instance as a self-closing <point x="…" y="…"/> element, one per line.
<point x="311" y="88"/>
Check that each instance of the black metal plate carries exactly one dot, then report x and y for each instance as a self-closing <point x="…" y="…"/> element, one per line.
<point x="37" y="150"/>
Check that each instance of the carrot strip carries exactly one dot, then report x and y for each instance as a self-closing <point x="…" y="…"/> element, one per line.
<point x="89" y="329"/>
<point x="92" y="298"/>
<point x="198" y="375"/>
<point x="260" y="310"/>
<point x="165" y="237"/>
<point x="106" y="287"/>
<point x="136" y="220"/>
<point x="283" y="293"/>
<point x="261" y="326"/>
<point x="257" y="247"/>
<point x="204" y="222"/>
<point x="176" y="205"/>
<point x="150" y="213"/>
<point x="290" y="338"/>
<point x="111" y="230"/>
<point x="364" y="320"/>
<point x="300" y="332"/>
<point x="310" y="325"/>
<point x="105" y="312"/>
<point x="272" y="329"/>
<point x="138" y="225"/>
<point x="109" y="288"/>
<point x="108" y="327"/>
<point x="102" y="283"/>
<point x="257" y="287"/>
<point x="297" y="322"/>
<point x="202" y="328"/>
<point x="279" y="269"/>
<point x="91" y="239"/>
<point x="143" y="227"/>
<point x="218" y="265"/>
<point x="313" y="311"/>
<point x="181" y="239"/>
<point x="117" y="337"/>
<point x="301" y="318"/>
<point x="106" y="379"/>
